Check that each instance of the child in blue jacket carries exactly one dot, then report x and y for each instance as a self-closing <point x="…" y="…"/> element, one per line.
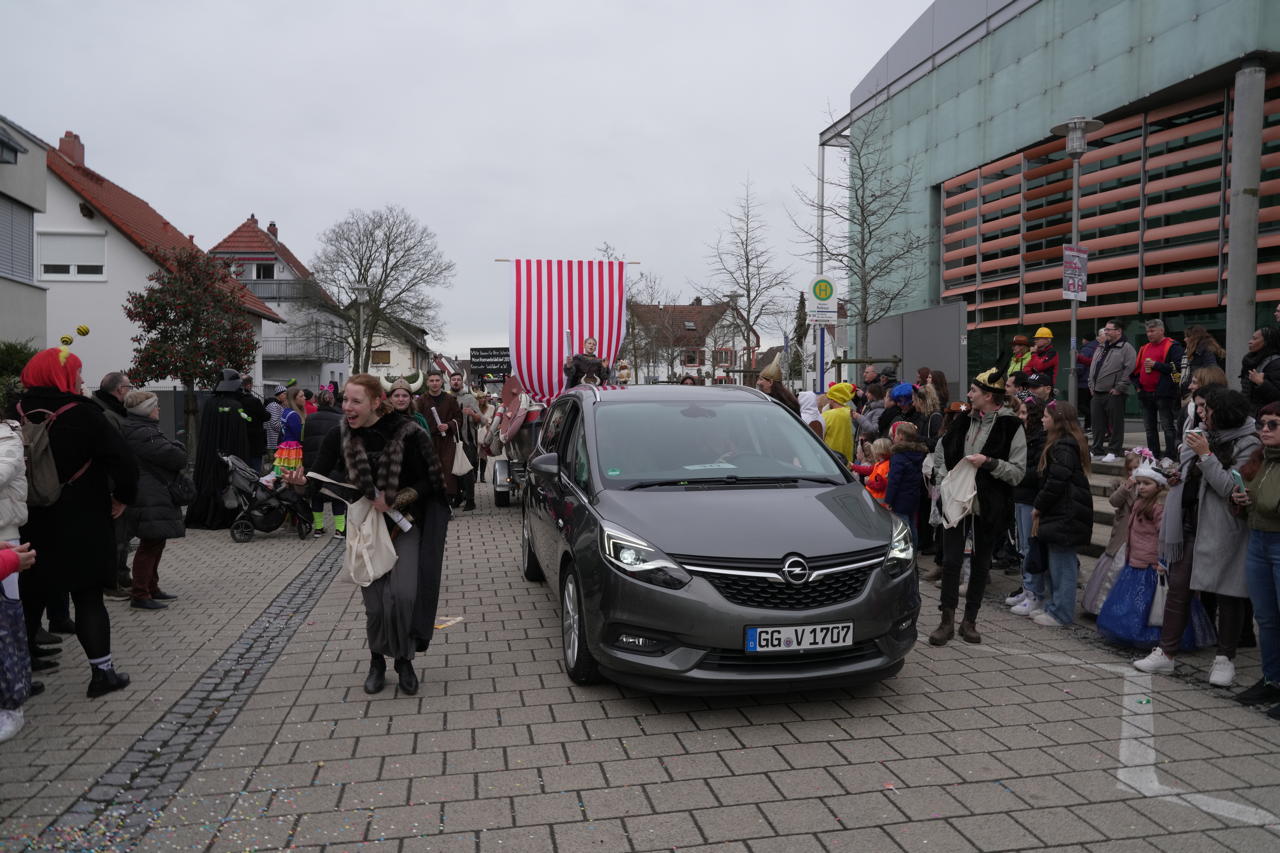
<point x="906" y="475"/>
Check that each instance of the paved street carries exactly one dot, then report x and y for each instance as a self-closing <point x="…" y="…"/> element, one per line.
<point x="246" y="728"/>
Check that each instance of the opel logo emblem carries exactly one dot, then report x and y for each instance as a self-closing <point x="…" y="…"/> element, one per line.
<point x="795" y="570"/>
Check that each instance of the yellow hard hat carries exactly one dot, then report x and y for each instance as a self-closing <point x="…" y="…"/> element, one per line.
<point x="1043" y="332"/>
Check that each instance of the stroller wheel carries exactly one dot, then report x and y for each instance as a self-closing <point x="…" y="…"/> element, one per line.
<point x="241" y="530"/>
<point x="304" y="528"/>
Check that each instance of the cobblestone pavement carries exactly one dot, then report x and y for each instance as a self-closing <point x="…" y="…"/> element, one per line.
<point x="1036" y="739"/>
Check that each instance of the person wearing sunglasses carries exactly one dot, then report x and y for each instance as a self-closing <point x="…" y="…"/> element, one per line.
<point x="1262" y="563"/>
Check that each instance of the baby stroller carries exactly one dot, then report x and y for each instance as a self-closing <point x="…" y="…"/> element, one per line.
<point x="261" y="507"/>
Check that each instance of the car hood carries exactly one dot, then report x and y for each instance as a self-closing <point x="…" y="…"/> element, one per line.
<point x="751" y="523"/>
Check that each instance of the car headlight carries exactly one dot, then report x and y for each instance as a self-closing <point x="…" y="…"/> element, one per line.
<point x="637" y="559"/>
<point x="902" y="554"/>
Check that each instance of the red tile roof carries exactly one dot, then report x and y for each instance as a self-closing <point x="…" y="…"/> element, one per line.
<point x="139" y="221"/>
<point x="673" y="317"/>
<point x="249" y="239"/>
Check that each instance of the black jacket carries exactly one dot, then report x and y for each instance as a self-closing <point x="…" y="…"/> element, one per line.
<point x="75" y="537"/>
<point x="154" y="515"/>
<point x="1064" y="502"/>
<point x="111" y="407"/>
<point x="318" y="425"/>
<point x="895" y="413"/>
<point x="1268" y="362"/>
<point x="1025" y="492"/>
<point x="256" y="424"/>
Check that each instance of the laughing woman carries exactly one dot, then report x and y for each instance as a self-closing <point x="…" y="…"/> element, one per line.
<point x="389" y="458"/>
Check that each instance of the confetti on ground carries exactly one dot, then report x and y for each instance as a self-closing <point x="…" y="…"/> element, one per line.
<point x="452" y="620"/>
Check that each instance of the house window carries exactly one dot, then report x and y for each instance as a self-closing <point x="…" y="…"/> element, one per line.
<point x="380" y="356"/>
<point x="692" y="358"/>
<point x="17" y="233"/>
<point x="70" y="256"/>
<point x="264" y="272"/>
<point x="689" y="326"/>
<point x="724" y="357"/>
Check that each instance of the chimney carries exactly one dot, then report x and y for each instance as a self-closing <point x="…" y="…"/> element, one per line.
<point x="273" y="231"/>
<point x="697" y="300"/>
<point x="72" y="148"/>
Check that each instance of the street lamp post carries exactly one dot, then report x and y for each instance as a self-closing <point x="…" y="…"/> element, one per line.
<point x="362" y="299"/>
<point x="1075" y="130"/>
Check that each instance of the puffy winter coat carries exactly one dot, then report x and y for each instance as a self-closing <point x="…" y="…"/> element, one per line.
<point x="13" y="481"/>
<point x="317" y="427"/>
<point x="906" y="478"/>
<point x="1064" y="502"/>
<point x="1025" y="492"/>
<point x="154" y="515"/>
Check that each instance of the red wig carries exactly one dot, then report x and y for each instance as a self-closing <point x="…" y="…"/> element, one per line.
<point x="57" y="367"/>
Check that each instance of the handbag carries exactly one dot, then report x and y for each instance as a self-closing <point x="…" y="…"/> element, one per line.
<point x="182" y="490"/>
<point x="1155" y="617"/>
<point x="369" y="553"/>
<point x="461" y="464"/>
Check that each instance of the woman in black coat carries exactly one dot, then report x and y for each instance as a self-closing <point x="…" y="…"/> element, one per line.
<point x="75" y="537"/>
<point x="1260" y="368"/>
<point x="320" y="423"/>
<point x="154" y="517"/>
<point x="1063" y="514"/>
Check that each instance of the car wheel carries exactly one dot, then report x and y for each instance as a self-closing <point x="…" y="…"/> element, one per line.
<point x="241" y="530"/>
<point x="529" y="565"/>
<point x="578" y="661"/>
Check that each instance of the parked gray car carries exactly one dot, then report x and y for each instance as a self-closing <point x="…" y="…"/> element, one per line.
<point x="703" y="540"/>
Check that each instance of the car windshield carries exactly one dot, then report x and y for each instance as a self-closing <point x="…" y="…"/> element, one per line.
<point x="651" y="441"/>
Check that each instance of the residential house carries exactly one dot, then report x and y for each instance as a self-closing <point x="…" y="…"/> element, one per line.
<point x="22" y="196"/>
<point x="399" y="349"/>
<point x="306" y="348"/>
<point x="702" y="339"/>
<point x="96" y="242"/>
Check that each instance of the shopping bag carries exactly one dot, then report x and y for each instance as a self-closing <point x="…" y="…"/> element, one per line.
<point x="1155" y="617"/>
<point x="957" y="492"/>
<point x="461" y="464"/>
<point x="1200" y="633"/>
<point x="1105" y="572"/>
<point x="1123" y="617"/>
<point x="15" y="662"/>
<point x="370" y="553"/>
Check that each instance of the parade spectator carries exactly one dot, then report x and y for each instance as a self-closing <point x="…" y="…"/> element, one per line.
<point x="810" y="411"/>
<point x="990" y="438"/>
<point x="1114" y="553"/>
<point x="1158" y="392"/>
<point x="224" y="431"/>
<point x="1021" y="359"/>
<point x="470" y="423"/>
<point x="1044" y="358"/>
<point x="1016" y="387"/>
<point x="154" y="517"/>
<point x="328" y="417"/>
<point x="1028" y="597"/>
<point x="1200" y="349"/>
<point x="275" y="418"/>
<point x="1084" y="358"/>
<point x="293" y="416"/>
<point x="938" y="382"/>
<point x="1041" y="387"/>
<point x="925" y="401"/>
<point x="882" y="375"/>
<point x="1063" y="513"/>
<point x="441" y="411"/>
<point x="1262" y="563"/>
<point x="902" y="408"/>
<point x="255" y="423"/>
<point x="875" y="474"/>
<point x="309" y="406"/>
<point x="14" y="557"/>
<point x="688" y="380"/>
<point x="906" y="482"/>
<point x="110" y="398"/>
<point x="1203" y="377"/>
<point x="1109" y="374"/>
<point x="839" y="428"/>
<point x="869" y="418"/>
<point x="486" y="409"/>
<point x="392" y="462"/>
<point x="1260" y="368"/>
<point x="101" y="479"/>
<point x="1125" y="615"/>
<point x="770" y="382"/>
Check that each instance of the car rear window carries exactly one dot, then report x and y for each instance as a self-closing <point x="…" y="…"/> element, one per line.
<point x="653" y="440"/>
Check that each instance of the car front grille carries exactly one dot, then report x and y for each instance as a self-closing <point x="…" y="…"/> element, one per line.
<point x="728" y="659"/>
<point x="758" y="583"/>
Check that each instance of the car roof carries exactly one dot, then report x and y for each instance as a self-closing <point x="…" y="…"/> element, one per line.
<point x="669" y="393"/>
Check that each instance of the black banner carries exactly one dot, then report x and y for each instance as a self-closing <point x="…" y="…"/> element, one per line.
<point x="495" y="360"/>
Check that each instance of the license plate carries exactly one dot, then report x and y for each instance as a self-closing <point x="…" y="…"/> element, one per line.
<point x="794" y="638"/>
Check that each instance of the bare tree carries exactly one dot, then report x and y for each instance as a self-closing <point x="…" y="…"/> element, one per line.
<point x="650" y="335"/>
<point x="381" y="265"/>
<point x="867" y="237"/>
<point x="744" y="272"/>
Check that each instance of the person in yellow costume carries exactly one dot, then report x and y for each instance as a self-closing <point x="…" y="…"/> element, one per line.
<point x="838" y="427"/>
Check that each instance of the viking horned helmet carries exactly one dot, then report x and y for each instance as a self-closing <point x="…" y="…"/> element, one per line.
<point x="403" y="382"/>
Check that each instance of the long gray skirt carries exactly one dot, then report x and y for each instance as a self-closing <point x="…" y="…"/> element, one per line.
<point x="400" y="606"/>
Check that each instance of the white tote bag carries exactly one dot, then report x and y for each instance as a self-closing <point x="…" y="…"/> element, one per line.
<point x="461" y="464"/>
<point x="957" y="492"/>
<point x="370" y="552"/>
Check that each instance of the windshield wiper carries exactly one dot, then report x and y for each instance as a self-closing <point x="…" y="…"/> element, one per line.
<point x="732" y="480"/>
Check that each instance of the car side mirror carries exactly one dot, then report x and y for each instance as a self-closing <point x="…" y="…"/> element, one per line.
<point x="547" y="463"/>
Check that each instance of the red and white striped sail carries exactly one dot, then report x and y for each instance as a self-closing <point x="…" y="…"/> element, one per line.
<point x="555" y="307"/>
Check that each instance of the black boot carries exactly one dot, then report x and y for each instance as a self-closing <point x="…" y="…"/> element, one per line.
<point x="377" y="677"/>
<point x="106" y="681"/>
<point x="408" y="676"/>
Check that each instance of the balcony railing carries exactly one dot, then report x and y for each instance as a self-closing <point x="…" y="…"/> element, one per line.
<point x="282" y="290"/>
<point x="303" y="348"/>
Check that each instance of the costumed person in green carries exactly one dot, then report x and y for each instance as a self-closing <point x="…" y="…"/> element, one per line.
<point x="224" y="426"/>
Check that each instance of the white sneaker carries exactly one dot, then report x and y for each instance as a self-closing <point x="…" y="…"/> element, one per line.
<point x="1046" y="620"/>
<point x="964" y="589"/>
<point x="1223" y="672"/>
<point x="11" y="723"/>
<point x="1156" y="663"/>
<point x="1110" y="457"/>
<point x="1027" y="606"/>
<point x="1017" y="598"/>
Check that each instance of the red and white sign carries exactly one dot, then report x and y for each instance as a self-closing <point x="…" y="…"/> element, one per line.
<point x="555" y="306"/>
<point x="1075" y="273"/>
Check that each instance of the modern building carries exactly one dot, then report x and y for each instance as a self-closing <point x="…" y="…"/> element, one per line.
<point x="22" y="196"/>
<point x="1179" y="189"/>
<point x="307" y="347"/>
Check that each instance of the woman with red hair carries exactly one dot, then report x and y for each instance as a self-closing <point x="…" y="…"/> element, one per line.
<point x="75" y="537"/>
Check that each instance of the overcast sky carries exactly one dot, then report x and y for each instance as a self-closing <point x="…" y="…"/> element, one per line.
<point x="532" y="129"/>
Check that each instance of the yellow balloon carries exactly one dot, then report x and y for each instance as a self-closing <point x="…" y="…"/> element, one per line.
<point x="66" y="340"/>
<point x="82" y="331"/>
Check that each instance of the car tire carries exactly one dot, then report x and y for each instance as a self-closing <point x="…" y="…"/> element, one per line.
<point x="501" y="498"/>
<point x="579" y="664"/>
<point x="529" y="565"/>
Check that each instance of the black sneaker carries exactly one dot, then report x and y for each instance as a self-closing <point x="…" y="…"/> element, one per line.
<point x="43" y="665"/>
<point x="148" y="604"/>
<point x="62" y="626"/>
<point x="44" y="638"/>
<point x="105" y="681"/>
<point x="45" y="651"/>
<point x="161" y="595"/>
<point x="317" y="533"/>
<point x="1259" y="694"/>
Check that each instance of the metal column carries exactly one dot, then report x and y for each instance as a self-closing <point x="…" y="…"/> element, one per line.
<point x="1246" y="167"/>
<point x="1073" y="392"/>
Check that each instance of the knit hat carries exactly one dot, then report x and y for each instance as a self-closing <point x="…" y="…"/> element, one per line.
<point x="1147" y="471"/>
<point x="141" y="402"/>
<point x="1021" y="340"/>
<point x="902" y="391"/>
<point x="840" y="393"/>
<point x="774" y="371"/>
<point x="991" y="381"/>
<point x="1043" y="332"/>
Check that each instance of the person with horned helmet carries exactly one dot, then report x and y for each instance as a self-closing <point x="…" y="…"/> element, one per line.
<point x="770" y="382"/>
<point x="400" y="394"/>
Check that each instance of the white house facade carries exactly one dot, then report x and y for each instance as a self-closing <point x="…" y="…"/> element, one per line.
<point x="22" y="197"/>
